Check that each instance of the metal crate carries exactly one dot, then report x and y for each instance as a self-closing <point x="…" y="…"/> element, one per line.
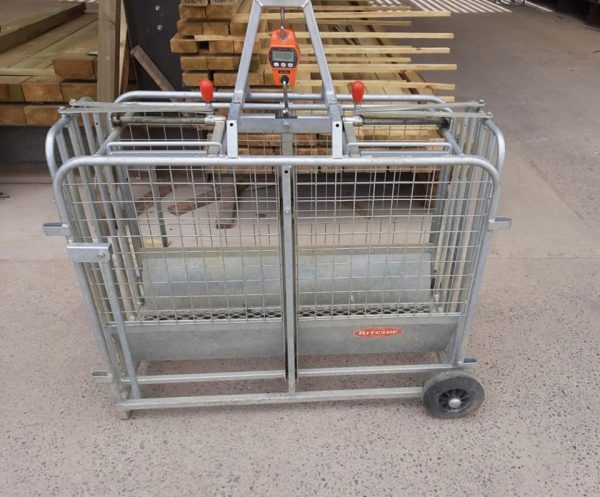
<point x="360" y="232"/>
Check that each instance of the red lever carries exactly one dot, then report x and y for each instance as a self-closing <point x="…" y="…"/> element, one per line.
<point x="207" y="89"/>
<point x="358" y="92"/>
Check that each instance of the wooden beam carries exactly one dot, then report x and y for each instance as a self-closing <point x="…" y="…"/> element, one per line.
<point x="109" y="14"/>
<point x="12" y="114"/>
<point x="16" y="32"/>
<point x="343" y="35"/>
<point x="10" y="88"/>
<point x="75" y="67"/>
<point x="25" y="71"/>
<point x="375" y="49"/>
<point x="379" y="68"/>
<point x="42" y="89"/>
<point x="347" y="15"/>
<point x="149" y="66"/>
<point x="401" y="84"/>
<point x="24" y="53"/>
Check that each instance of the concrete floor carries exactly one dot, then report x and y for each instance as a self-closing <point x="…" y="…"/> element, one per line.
<point x="536" y="335"/>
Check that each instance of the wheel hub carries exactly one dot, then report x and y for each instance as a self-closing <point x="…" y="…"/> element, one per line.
<point x="454" y="403"/>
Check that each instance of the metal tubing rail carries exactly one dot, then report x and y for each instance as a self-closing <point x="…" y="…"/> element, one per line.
<point x="399" y="144"/>
<point x="271" y="398"/>
<point x="152" y="162"/>
<point x="163" y="143"/>
<point x="168" y="95"/>
<point x="279" y="374"/>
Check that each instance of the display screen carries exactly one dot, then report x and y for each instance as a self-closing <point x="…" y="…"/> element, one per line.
<point x="283" y="55"/>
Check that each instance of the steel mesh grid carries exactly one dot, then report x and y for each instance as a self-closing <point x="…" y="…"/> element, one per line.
<point x="181" y="208"/>
<point x="183" y="238"/>
<point x="402" y="237"/>
<point x="191" y="243"/>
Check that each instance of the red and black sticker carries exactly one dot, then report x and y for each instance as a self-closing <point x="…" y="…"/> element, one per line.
<point x="378" y="332"/>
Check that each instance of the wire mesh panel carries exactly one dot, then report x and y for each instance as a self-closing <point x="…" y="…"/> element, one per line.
<point x="188" y="243"/>
<point x="387" y="241"/>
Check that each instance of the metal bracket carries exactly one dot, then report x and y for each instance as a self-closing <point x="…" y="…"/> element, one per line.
<point x="89" y="252"/>
<point x="102" y="376"/>
<point x="57" y="229"/>
<point x="499" y="223"/>
<point x="468" y="363"/>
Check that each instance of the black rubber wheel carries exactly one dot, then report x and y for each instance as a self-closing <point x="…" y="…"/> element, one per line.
<point x="452" y="395"/>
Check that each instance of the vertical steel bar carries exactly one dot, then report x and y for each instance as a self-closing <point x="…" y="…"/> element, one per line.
<point x="288" y="259"/>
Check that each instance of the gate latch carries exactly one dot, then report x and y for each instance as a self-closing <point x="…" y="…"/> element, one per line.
<point x="499" y="223"/>
<point x="56" y="229"/>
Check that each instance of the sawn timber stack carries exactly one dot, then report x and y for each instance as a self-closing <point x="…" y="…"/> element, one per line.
<point x="377" y="44"/>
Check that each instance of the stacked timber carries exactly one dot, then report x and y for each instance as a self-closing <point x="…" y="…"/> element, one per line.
<point x="46" y="70"/>
<point x="362" y="41"/>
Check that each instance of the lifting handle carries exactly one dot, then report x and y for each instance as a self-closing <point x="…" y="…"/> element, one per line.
<point x="207" y="89"/>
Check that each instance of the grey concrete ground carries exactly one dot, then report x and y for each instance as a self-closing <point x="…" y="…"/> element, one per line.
<point x="536" y="334"/>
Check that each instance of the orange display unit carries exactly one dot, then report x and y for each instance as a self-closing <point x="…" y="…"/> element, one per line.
<point x="284" y="55"/>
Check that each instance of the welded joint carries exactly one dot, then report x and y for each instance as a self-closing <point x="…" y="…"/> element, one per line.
<point x="499" y="223"/>
<point x="57" y="229"/>
<point x="89" y="252"/>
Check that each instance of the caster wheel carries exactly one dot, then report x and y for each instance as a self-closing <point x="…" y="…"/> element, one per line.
<point x="452" y="395"/>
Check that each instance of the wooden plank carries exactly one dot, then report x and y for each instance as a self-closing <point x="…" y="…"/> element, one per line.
<point x="357" y="59"/>
<point x="25" y="71"/>
<point x="190" y="28"/>
<point x="81" y="67"/>
<point x="200" y="3"/>
<point x="413" y="14"/>
<point x="360" y="8"/>
<point x="228" y="78"/>
<point x="74" y="90"/>
<point x="43" y="42"/>
<point x="16" y="32"/>
<point x="192" y="12"/>
<point x="41" y="115"/>
<point x="214" y="62"/>
<point x="12" y="114"/>
<point x="215" y="28"/>
<point x="43" y="89"/>
<point x="179" y="44"/>
<point x="109" y="13"/>
<point x="403" y="84"/>
<point x="124" y="58"/>
<point x="239" y="28"/>
<point x="10" y="88"/>
<point x="193" y="63"/>
<point x="193" y="78"/>
<point x="376" y="49"/>
<point x="150" y="67"/>
<point x="337" y="35"/>
<point x="378" y="68"/>
<point x="221" y="11"/>
<point x="79" y="42"/>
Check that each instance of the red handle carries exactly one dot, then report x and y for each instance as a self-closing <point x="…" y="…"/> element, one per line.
<point x="358" y="92"/>
<point x="207" y="89"/>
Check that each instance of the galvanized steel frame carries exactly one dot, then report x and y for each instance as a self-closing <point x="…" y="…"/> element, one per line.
<point x="92" y="153"/>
